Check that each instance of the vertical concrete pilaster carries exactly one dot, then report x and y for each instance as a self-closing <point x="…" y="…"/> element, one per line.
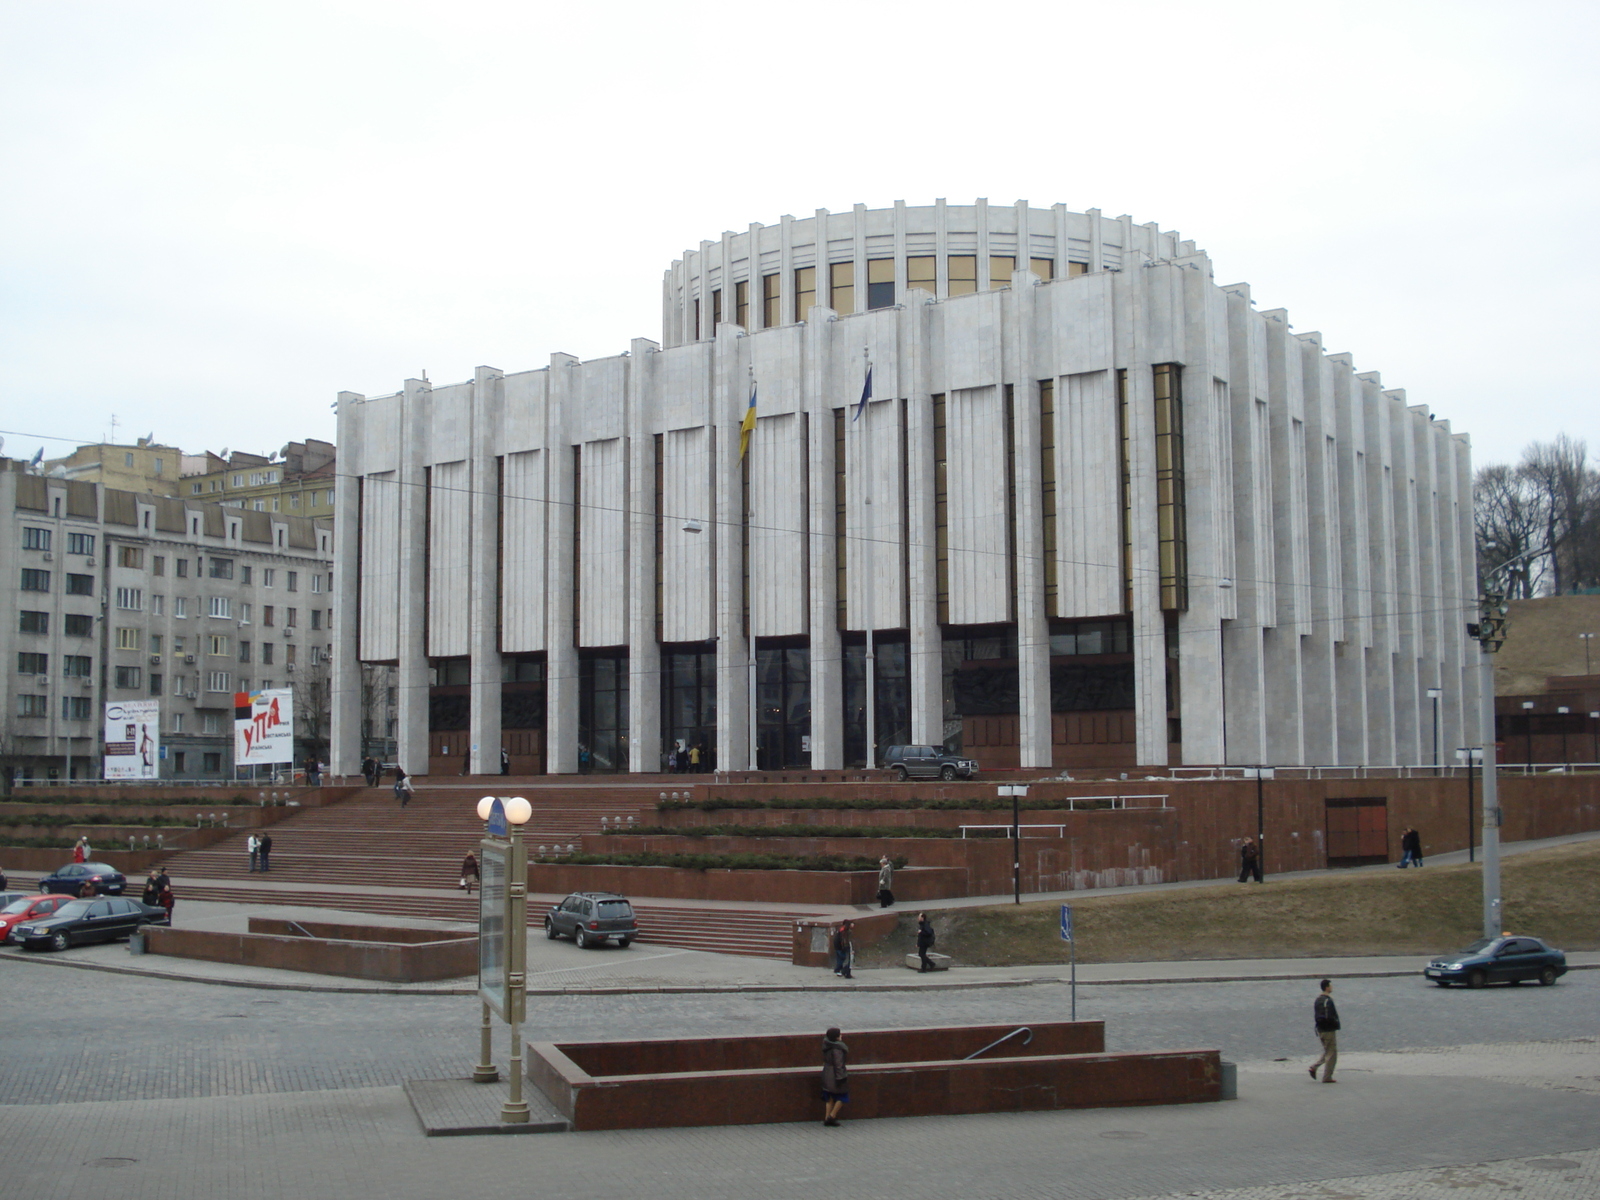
<point x="561" y="508"/>
<point x="347" y="751"/>
<point x="412" y="677"/>
<point x="483" y="597"/>
<point x="644" y="651"/>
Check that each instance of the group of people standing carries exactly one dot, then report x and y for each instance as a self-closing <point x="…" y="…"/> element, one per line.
<point x="682" y="759"/>
<point x="260" y="848"/>
<point x="158" y="891"/>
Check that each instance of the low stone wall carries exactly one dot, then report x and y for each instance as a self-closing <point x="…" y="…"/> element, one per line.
<point x="663" y="1082"/>
<point x="397" y="959"/>
<point x="784" y="887"/>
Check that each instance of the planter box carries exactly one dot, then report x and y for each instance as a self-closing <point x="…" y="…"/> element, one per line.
<point x="387" y="955"/>
<point x="785" y="887"/>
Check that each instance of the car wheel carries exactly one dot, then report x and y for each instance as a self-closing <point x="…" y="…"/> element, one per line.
<point x="1477" y="979"/>
<point x="901" y="774"/>
<point x="1547" y="976"/>
<point x="947" y="773"/>
<point x="623" y="943"/>
<point x="582" y="939"/>
<point x="550" y="930"/>
<point x="60" y="941"/>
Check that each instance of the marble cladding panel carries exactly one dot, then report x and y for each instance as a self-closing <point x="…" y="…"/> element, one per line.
<point x="687" y="603"/>
<point x="1088" y="496"/>
<point x="778" y="593"/>
<point x="683" y="391"/>
<point x="449" y="503"/>
<point x="1073" y="335"/>
<point x="878" y="334"/>
<point x="379" y="422"/>
<point x="875" y="519"/>
<point x="603" y="554"/>
<point x="521" y="417"/>
<point x="972" y="332"/>
<point x="975" y="449"/>
<point x="598" y="405"/>
<point x="774" y="358"/>
<point x="523" y="529"/>
<point x="380" y="566"/>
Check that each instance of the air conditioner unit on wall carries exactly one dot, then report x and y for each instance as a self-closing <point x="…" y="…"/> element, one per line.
<point x="289" y="667"/>
<point x="188" y="658"/>
<point x="48" y="557"/>
<point x="188" y="695"/>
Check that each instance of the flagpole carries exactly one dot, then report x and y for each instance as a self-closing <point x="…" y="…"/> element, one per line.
<point x="869" y="592"/>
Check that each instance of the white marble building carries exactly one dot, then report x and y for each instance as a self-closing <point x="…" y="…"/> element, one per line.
<point x="1099" y="510"/>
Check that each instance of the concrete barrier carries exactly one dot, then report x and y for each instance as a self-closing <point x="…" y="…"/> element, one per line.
<point x="385" y="954"/>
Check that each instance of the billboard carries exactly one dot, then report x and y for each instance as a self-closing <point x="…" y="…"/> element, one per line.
<point x="263" y="727"/>
<point x="133" y="739"/>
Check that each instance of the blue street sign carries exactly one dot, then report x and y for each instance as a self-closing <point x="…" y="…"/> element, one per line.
<point x="497" y="819"/>
<point x="1066" y="922"/>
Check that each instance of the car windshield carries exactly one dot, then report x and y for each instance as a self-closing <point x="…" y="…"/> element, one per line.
<point x="615" y="908"/>
<point x="76" y="908"/>
<point x="1479" y="946"/>
<point x="17" y="906"/>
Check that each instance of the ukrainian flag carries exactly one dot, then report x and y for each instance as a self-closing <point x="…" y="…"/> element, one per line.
<point x="748" y="425"/>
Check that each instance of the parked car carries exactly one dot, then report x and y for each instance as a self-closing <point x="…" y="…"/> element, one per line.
<point x="69" y="880"/>
<point x="9" y="898"/>
<point x="101" y="920"/>
<point x="928" y="762"/>
<point x="24" y="909"/>
<point x="1503" y="959"/>
<point x="592" y="918"/>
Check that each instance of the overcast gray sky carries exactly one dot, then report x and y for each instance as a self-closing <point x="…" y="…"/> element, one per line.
<point x="215" y="216"/>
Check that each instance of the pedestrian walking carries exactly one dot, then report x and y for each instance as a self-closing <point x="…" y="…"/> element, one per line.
<point x="2" y="879"/>
<point x="152" y="890"/>
<point x="835" y="1076"/>
<point x="80" y="850"/>
<point x="1326" y="1016"/>
<point x="403" y="790"/>
<point x="925" y="938"/>
<point x="1249" y="861"/>
<point x="844" y="950"/>
<point x="166" y="899"/>
<point x="253" y="845"/>
<point x="1410" y="848"/>
<point x="505" y="761"/>
<point x="265" y="846"/>
<point x="885" y="882"/>
<point x="470" y="875"/>
<point x="371" y="770"/>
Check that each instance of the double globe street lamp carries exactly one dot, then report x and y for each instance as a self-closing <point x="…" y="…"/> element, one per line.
<point x="503" y="938"/>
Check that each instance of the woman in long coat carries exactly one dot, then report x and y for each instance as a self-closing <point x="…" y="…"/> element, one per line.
<point x="835" y="1076"/>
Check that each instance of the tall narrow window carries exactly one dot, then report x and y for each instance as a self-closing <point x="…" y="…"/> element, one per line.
<point x="1171" y="520"/>
<point x="1125" y="486"/>
<point x="805" y="291"/>
<point x="880" y="283"/>
<point x="697" y="320"/>
<point x="842" y="288"/>
<point x="922" y="271"/>
<point x="660" y="476"/>
<point x="1000" y="268"/>
<point x="1047" y="484"/>
<point x="963" y="274"/>
<point x="770" y="314"/>
<point x="716" y="311"/>
<point x="741" y="304"/>
<point x="841" y="575"/>
<point x="941" y="512"/>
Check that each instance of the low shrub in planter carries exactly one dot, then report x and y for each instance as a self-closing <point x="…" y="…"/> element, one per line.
<point x="801" y="831"/>
<point x="725" y="862"/>
<point x="977" y="804"/>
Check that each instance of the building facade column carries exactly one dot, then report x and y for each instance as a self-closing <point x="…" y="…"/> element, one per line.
<point x="412" y="676"/>
<point x="347" y="750"/>
<point x="1033" y="624"/>
<point x="644" y="650"/>
<point x="561" y="508"/>
<point x="483" y="553"/>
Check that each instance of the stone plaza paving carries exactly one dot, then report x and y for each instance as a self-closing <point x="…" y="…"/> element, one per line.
<point x="143" y="1085"/>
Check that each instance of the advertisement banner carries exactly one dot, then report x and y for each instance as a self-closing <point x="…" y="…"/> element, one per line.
<point x="263" y="727"/>
<point x="133" y="739"/>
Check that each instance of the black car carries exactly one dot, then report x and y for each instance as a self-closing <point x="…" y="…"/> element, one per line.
<point x="927" y="762"/>
<point x="69" y="880"/>
<point x="101" y="920"/>
<point x="1504" y="959"/>
<point x="592" y="918"/>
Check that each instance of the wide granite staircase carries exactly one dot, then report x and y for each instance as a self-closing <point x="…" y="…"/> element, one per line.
<point x="368" y="854"/>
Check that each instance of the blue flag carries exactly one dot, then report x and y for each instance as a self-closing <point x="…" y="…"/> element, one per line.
<point x="866" y="394"/>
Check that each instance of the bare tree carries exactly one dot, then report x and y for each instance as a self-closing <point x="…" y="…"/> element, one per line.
<point x="1509" y="514"/>
<point x="1567" y="489"/>
<point x="313" y="708"/>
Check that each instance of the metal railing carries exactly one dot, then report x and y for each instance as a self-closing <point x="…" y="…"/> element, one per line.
<point x="1027" y="1039"/>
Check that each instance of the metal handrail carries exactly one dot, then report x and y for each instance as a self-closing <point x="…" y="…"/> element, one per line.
<point x="1022" y="1029"/>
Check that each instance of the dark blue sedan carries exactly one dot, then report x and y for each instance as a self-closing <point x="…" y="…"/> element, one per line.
<point x="1504" y="959"/>
<point x="69" y="880"/>
<point x="100" y="920"/>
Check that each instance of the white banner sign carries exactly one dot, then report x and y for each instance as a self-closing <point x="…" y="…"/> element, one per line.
<point x="263" y="727"/>
<point x="133" y="739"/>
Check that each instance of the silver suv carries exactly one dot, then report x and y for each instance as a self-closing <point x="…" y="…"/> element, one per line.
<point x="593" y="918"/>
<point x="927" y="762"/>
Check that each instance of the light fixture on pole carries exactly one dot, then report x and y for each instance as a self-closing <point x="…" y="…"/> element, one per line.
<point x="1527" y="716"/>
<point x="1434" y="694"/>
<point x="1594" y="732"/>
<point x="503" y="937"/>
<point x="1586" y="638"/>
<point x="1563" y="710"/>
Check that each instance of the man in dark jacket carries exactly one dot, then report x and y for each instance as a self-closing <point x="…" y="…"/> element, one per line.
<point x="1410" y="848"/>
<point x="266" y="852"/>
<point x="835" y="1076"/>
<point x="924" y="941"/>
<point x="1249" y="862"/>
<point x="1327" y="1020"/>
<point x="843" y="949"/>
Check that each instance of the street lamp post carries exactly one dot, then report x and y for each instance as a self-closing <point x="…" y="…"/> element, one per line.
<point x="1434" y="694"/>
<point x="1562" y="710"/>
<point x="1594" y="733"/>
<point x="1527" y="713"/>
<point x="1586" y="638"/>
<point x="503" y="978"/>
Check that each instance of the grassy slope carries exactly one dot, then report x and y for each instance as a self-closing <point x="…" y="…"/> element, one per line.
<point x="1553" y="894"/>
